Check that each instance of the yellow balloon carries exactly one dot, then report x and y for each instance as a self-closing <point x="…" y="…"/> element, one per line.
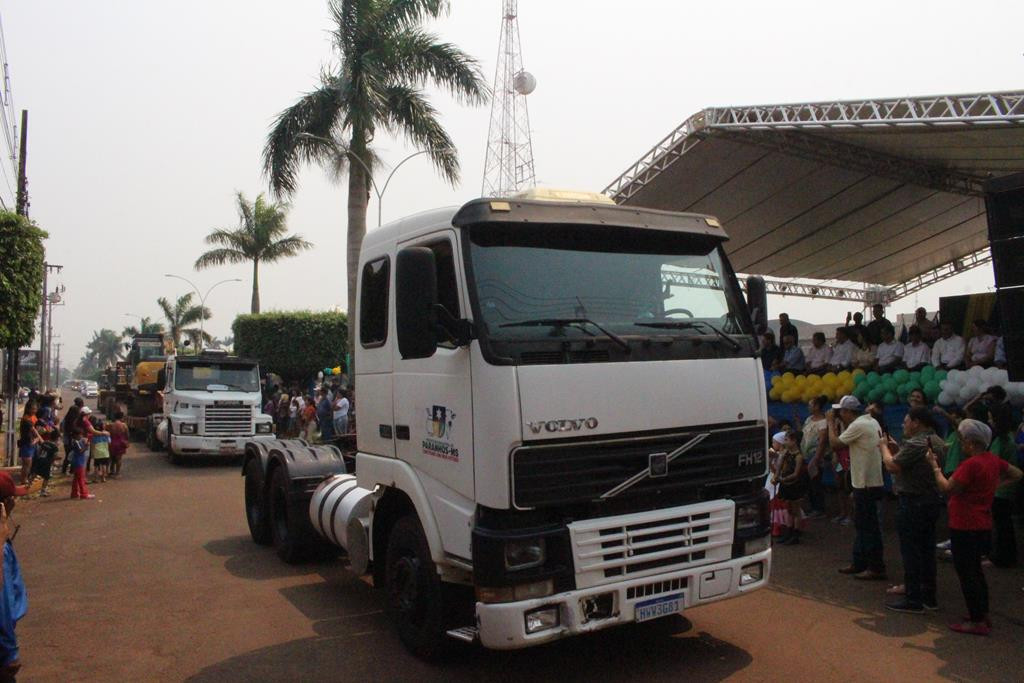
<point x="844" y="375"/>
<point x="788" y="377"/>
<point x="776" y="380"/>
<point x="775" y="394"/>
<point x="859" y="371"/>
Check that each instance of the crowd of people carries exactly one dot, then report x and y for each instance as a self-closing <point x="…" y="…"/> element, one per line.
<point x="322" y="414"/>
<point x="972" y="473"/>
<point x="875" y="347"/>
<point x="89" y="444"/>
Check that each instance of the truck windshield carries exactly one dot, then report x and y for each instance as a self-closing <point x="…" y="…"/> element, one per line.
<point x="150" y="350"/>
<point x="542" y="284"/>
<point x="217" y="377"/>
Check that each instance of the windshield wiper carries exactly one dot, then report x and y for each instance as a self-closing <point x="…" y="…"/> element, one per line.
<point x="562" y="322"/>
<point x="690" y="324"/>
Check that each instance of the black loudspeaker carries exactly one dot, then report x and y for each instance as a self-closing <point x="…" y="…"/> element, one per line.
<point x="1004" y="202"/>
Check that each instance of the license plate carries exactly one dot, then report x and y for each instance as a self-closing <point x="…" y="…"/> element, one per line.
<point x="659" y="607"/>
<point x="227" y="449"/>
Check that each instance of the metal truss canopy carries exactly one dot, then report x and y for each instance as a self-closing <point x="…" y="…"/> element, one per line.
<point x="886" y="192"/>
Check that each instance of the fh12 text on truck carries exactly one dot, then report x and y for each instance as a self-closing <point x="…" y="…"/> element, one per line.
<point x="562" y="425"/>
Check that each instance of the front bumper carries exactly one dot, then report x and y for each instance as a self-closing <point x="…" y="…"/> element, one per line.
<point x="229" y="447"/>
<point x="502" y="626"/>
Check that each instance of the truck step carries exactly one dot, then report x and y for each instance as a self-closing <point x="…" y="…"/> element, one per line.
<point x="466" y="634"/>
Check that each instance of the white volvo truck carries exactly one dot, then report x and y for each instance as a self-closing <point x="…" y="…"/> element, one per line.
<point x="562" y="425"/>
<point x="211" y="406"/>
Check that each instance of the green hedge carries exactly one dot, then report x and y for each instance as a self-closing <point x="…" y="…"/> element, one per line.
<point x="293" y="344"/>
<point x="21" y="278"/>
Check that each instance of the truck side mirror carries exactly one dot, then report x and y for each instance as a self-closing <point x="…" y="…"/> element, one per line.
<point x="415" y="297"/>
<point x="757" y="303"/>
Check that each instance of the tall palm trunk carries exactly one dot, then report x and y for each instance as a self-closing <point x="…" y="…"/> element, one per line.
<point x="255" y="286"/>
<point x="358" y="199"/>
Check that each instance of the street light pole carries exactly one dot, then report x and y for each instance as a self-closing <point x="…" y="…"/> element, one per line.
<point x="369" y="173"/>
<point x="202" y="300"/>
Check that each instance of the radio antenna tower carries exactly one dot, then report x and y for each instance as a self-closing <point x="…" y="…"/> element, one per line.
<point x="508" y="167"/>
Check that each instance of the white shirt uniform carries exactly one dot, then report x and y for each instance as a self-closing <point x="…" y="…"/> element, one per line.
<point x="916" y="354"/>
<point x="889" y="353"/>
<point x="842" y="354"/>
<point x="948" y="352"/>
<point x="818" y="358"/>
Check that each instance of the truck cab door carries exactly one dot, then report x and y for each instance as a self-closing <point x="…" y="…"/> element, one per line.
<point x="433" y="396"/>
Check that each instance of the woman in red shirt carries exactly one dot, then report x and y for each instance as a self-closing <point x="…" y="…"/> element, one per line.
<point x="970" y="490"/>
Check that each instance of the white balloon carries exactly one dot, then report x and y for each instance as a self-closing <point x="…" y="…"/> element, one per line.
<point x="967" y="393"/>
<point x="1002" y="376"/>
<point x="954" y="375"/>
<point x="945" y="398"/>
<point x="976" y="371"/>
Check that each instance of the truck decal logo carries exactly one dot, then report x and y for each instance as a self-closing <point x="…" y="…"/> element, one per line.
<point x="572" y="425"/>
<point x="439" y="425"/>
<point x="751" y="458"/>
<point x="654" y="463"/>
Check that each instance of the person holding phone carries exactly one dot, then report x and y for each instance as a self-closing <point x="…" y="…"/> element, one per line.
<point x="971" y="489"/>
<point x="918" y="506"/>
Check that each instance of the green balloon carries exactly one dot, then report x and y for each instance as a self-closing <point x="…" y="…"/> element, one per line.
<point x="873" y="376"/>
<point x="890" y="398"/>
<point x="916" y="376"/>
<point x="901" y="376"/>
<point x="940" y="375"/>
<point x="928" y="371"/>
<point x="858" y="380"/>
<point x="876" y="394"/>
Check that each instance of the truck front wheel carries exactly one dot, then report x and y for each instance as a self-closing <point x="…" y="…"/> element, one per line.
<point x="414" y="591"/>
<point x="256" y="513"/>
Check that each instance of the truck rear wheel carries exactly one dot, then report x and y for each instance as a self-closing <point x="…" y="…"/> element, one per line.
<point x="286" y="531"/>
<point x="256" y="513"/>
<point x="414" y="591"/>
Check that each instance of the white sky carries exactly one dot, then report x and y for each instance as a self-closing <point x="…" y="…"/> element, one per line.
<point x="146" y="117"/>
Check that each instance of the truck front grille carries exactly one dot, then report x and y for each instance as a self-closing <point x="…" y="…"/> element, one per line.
<point x="655" y="542"/>
<point x="559" y="473"/>
<point x="233" y="421"/>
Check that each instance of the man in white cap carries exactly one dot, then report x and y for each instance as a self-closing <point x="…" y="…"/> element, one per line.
<point x="862" y="434"/>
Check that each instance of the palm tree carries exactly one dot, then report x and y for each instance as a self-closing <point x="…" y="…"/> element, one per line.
<point x="104" y="348"/>
<point x="146" y="326"/>
<point x="259" y="237"/>
<point x="386" y="57"/>
<point x="182" y="314"/>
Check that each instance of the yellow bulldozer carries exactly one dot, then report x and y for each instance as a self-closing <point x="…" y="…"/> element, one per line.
<point x="132" y="385"/>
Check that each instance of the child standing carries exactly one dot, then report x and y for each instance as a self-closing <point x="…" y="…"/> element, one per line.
<point x="42" y="464"/>
<point x="100" y="448"/>
<point x="79" y="455"/>
<point x="118" y="443"/>
<point x="792" y="480"/>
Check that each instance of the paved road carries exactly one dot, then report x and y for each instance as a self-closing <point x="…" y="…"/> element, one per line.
<point x="157" y="580"/>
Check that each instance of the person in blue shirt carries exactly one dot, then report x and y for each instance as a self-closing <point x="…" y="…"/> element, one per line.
<point x="792" y="357"/>
<point x="13" y="598"/>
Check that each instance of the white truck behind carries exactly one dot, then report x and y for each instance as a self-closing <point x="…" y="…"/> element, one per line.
<point x="562" y="425"/>
<point x="211" y="406"/>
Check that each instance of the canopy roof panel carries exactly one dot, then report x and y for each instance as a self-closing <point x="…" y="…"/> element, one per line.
<point x="874" y="191"/>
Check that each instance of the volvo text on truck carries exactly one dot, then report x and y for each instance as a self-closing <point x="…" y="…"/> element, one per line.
<point x="562" y="425"/>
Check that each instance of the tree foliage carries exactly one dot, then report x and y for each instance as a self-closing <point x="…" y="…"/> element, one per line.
<point x="21" y="278"/>
<point x="181" y="316"/>
<point x="293" y="344"/>
<point x="146" y="326"/>
<point x="261" y="237"/>
<point x="386" y="57"/>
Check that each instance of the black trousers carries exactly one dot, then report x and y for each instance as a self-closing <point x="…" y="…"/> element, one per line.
<point x="1004" y="541"/>
<point x="867" y="543"/>
<point x="968" y="547"/>
<point x="915" y="521"/>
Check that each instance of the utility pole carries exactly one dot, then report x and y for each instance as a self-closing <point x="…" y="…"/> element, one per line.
<point x="56" y="369"/>
<point x="46" y="326"/>
<point x="21" y="203"/>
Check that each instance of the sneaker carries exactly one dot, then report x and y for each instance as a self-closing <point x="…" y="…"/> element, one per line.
<point x="971" y="627"/>
<point x="44" y="493"/>
<point x="930" y="606"/>
<point x="870" y="575"/>
<point x="814" y="514"/>
<point x="88" y="496"/>
<point x="905" y="607"/>
<point x="850" y="570"/>
<point x="845" y="521"/>
<point x="945" y="545"/>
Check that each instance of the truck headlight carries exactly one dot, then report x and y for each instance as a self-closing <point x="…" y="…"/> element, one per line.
<point x="524" y="553"/>
<point x="187" y="428"/>
<point x="264" y="427"/>
<point x="541" y="619"/>
<point x="753" y="514"/>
